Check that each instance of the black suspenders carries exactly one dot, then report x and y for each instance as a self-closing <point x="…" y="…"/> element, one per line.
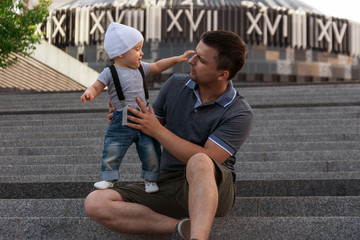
<point x="118" y="86"/>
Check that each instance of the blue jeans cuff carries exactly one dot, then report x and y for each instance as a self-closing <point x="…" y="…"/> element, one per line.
<point x="150" y="176"/>
<point x="109" y="175"/>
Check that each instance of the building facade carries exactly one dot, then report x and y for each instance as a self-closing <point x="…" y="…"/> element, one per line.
<point x="288" y="41"/>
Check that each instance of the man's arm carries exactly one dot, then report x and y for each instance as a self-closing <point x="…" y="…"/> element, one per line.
<point x="163" y="64"/>
<point x="181" y="149"/>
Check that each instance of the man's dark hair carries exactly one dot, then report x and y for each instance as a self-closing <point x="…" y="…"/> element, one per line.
<point x="231" y="50"/>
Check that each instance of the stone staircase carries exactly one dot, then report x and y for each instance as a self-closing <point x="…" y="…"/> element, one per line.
<point x="298" y="174"/>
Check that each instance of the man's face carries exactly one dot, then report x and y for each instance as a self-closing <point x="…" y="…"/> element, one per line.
<point x="203" y="67"/>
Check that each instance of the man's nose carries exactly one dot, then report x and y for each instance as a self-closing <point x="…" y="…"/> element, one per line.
<point x="191" y="60"/>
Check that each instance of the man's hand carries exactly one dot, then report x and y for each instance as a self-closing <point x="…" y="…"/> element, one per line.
<point x="145" y="119"/>
<point x="110" y="114"/>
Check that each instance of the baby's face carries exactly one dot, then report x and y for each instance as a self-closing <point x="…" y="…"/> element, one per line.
<point x="132" y="58"/>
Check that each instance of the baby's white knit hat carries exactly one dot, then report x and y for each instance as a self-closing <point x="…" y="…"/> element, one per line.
<point x="120" y="38"/>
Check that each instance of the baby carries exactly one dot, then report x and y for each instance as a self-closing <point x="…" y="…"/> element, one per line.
<point x="125" y="82"/>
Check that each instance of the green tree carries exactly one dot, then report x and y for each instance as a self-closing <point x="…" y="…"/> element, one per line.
<point x="18" y="27"/>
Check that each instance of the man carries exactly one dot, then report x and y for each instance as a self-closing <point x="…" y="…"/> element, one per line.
<point x="201" y="121"/>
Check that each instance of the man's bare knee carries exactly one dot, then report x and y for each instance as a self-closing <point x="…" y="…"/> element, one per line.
<point x="96" y="202"/>
<point x="200" y="160"/>
<point x="91" y="204"/>
<point x="199" y="163"/>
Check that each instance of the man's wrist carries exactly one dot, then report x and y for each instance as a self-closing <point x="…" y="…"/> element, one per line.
<point x="159" y="133"/>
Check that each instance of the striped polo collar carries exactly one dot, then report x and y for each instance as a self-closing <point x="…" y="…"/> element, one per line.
<point x="225" y="99"/>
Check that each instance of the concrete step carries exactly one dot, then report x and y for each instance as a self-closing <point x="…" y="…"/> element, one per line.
<point x="41" y="149"/>
<point x="298" y="174"/>
<point x="35" y="138"/>
<point x="265" y="113"/>
<point x="52" y="102"/>
<point x="273" y="96"/>
<point x="295" y="175"/>
<point x="304" y="99"/>
<point x="62" y="150"/>
<point x="300" y="92"/>
<point x="258" y="159"/>
<point x="297" y="166"/>
<point x="131" y="171"/>
<point x="135" y="176"/>
<point x="56" y="128"/>
<point x="52" y="116"/>
<point x="295" y="130"/>
<point x="56" y="122"/>
<point x="299" y="146"/>
<point x="88" y="174"/>
<point x="297" y="188"/>
<point x="84" y="109"/>
<point x="80" y="186"/>
<point x="266" y="97"/>
<point x="258" y="122"/>
<point x="317" y="206"/>
<point x="242" y="169"/>
<point x="286" y="115"/>
<point x="63" y="170"/>
<point x="26" y="142"/>
<point x="314" y="206"/>
<point x="350" y="122"/>
<point x="255" y="130"/>
<point x="305" y="110"/>
<point x="22" y="167"/>
<point x="247" y="228"/>
<point x="325" y="155"/>
<point x="282" y="156"/>
<point x="324" y="137"/>
<point x="43" y="155"/>
<point x="25" y="136"/>
<point x="58" y="159"/>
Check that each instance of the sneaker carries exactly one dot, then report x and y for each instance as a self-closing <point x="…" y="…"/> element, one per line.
<point x="151" y="187"/>
<point x="103" y="184"/>
<point x="182" y="230"/>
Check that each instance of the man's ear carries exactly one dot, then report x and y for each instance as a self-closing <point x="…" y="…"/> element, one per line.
<point x="224" y="75"/>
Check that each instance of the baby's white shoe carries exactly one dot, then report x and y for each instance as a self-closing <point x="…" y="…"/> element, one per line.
<point x="103" y="184"/>
<point x="151" y="187"/>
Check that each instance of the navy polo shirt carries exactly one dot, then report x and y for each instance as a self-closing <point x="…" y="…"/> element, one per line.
<point x="226" y="121"/>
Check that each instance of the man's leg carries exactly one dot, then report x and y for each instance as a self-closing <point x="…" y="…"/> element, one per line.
<point x="109" y="209"/>
<point x="203" y="194"/>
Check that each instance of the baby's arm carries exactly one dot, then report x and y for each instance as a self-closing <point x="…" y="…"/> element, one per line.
<point x="163" y="64"/>
<point x="93" y="91"/>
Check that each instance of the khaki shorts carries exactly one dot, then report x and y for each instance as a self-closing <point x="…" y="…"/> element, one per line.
<point x="172" y="198"/>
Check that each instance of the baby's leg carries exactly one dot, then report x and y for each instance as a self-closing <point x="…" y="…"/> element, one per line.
<point x="149" y="152"/>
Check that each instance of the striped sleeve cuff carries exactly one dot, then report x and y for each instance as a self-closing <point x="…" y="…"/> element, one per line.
<point x="222" y="144"/>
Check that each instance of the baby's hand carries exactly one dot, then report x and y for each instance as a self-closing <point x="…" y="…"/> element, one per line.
<point x="86" y="96"/>
<point x="184" y="57"/>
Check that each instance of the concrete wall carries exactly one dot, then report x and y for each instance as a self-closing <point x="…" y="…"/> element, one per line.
<point x="65" y="64"/>
<point x="298" y="65"/>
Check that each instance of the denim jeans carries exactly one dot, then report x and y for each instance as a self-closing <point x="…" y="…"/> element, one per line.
<point x="117" y="141"/>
